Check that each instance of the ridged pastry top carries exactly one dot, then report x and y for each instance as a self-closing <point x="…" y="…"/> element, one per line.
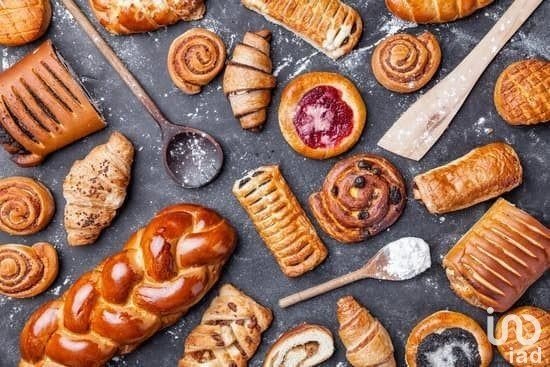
<point x="434" y="11"/>
<point x="23" y="21"/>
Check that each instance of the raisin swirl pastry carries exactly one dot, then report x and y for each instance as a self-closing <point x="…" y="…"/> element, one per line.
<point x="362" y="195"/>
<point x="195" y="58"/>
<point x="27" y="271"/>
<point x="405" y="63"/>
<point x="26" y="206"/>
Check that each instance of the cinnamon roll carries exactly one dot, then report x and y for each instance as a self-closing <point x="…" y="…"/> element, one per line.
<point x="26" y="206"/>
<point x="361" y="196"/>
<point x="27" y="271"/>
<point x="405" y="63"/>
<point x="195" y="59"/>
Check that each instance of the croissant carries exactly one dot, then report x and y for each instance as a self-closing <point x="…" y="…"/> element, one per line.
<point x="229" y="333"/>
<point x="95" y="189"/>
<point x="248" y="82"/>
<point x="434" y="11"/>
<point x="163" y="270"/>
<point x="23" y="21"/>
<point x="367" y="342"/>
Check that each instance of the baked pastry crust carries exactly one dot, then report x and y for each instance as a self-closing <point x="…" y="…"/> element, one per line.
<point x="280" y="220"/>
<point x="23" y="21"/>
<point x="482" y="174"/>
<point x="439" y="322"/>
<point x="26" y="271"/>
<point x="229" y="333"/>
<point x="405" y="63"/>
<point x="434" y="11"/>
<point x="522" y="92"/>
<point x="331" y="26"/>
<point x="26" y="206"/>
<point x="135" y="16"/>
<point x="293" y="94"/>
<point x="361" y="196"/>
<point x="495" y="262"/>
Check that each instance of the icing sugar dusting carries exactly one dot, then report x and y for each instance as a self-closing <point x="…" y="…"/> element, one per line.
<point x="407" y="257"/>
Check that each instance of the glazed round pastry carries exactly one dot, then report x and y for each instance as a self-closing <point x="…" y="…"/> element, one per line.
<point x="195" y="58"/>
<point x="23" y="21"/>
<point x="522" y="95"/>
<point x="405" y="63"/>
<point x="26" y="206"/>
<point x="361" y="196"/>
<point x="321" y="115"/>
<point x="448" y="338"/>
<point x="27" y="271"/>
<point x="527" y="315"/>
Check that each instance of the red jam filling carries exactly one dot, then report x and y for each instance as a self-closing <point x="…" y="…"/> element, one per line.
<point x="323" y="119"/>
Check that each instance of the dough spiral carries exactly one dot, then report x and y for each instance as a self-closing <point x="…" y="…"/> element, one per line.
<point x="361" y="196"/>
<point x="405" y="63"/>
<point x="195" y="59"/>
<point x="26" y="206"/>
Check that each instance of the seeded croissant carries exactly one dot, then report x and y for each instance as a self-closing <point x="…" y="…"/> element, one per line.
<point x="95" y="189"/>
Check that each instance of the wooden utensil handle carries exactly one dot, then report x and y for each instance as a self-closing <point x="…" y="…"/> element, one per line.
<point x="115" y="62"/>
<point x="321" y="288"/>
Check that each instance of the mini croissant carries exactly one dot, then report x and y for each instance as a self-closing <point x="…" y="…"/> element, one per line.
<point x="95" y="189"/>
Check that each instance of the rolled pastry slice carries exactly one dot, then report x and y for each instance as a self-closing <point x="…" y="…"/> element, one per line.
<point x="434" y="11"/>
<point x="361" y="196"/>
<point x="405" y="63"/>
<point x="303" y="346"/>
<point x="27" y="271"/>
<point x="482" y="174"/>
<point x="495" y="262"/>
<point x="195" y="58"/>
<point x="23" y="21"/>
<point x="248" y="79"/>
<point x="367" y="342"/>
<point x="26" y="206"/>
<point x="522" y="95"/>
<point x="280" y="220"/>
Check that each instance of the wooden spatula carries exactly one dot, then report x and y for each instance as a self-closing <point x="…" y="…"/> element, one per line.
<point x="424" y="122"/>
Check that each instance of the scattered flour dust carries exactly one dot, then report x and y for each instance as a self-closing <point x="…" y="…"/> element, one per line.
<point x="407" y="257"/>
<point x="394" y="25"/>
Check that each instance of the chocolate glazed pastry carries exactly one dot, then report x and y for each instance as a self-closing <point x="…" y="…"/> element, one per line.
<point x="362" y="195"/>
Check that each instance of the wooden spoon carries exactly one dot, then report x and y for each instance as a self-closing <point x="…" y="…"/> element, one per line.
<point x="399" y="260"/>
<point x="424" y="122"/>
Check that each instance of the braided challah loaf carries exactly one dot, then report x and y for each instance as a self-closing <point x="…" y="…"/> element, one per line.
<point x="163" y="270"/>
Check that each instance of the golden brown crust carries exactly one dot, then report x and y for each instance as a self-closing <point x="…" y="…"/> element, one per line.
<point x="123" y="17"/>
<point x="195" y="58"/>
<point x="434" y="11"/>
<point x="164" y="269"/>
<point x="509" y="333"/>
<point x="27" y="271"/>
<point x="43" y="107"/>
<point x="367" y="342"/>
<point x="280" y="220"/>
<point x="439" y="322"/>
<point x="229" y="333"/>
<point x="522" y="95"/>
<point x="26" y="206"/>
<point x="95" y="189"/>
<point x="482" y="174"/>
<point x="23" y="21"/>
<point x="331" y="26"/>
<point x="361" y="196"/>
<point x="294" y="93"/>
<point x="495" y="262"/>
<point x="404" y="63"/>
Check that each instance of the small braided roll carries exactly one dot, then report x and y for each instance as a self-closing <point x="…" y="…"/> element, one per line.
<point x="405" y="63"/>
<point x="195" y="59"/>
<point x="26" y="206"/>
<point x="27" y="271"/>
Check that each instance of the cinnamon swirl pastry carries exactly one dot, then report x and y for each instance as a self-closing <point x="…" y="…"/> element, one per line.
<point x="27" y="271"/>
<point x="405" y="63"/>
<point x="26" y="206"/>
<point x="195" y="59"/>
<point x="362" y="195"/>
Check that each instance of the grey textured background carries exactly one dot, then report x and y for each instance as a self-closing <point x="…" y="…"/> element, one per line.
<point x="398" y="305"/>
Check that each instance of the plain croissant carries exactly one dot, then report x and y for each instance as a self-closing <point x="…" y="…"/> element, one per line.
<point x="434" y="11"/>
<point x="95" y="189"/>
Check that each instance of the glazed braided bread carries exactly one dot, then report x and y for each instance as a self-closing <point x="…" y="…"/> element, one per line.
<point x="163" y="270"/>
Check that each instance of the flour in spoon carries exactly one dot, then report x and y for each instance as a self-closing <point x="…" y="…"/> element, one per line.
<point x="407" y="257"/>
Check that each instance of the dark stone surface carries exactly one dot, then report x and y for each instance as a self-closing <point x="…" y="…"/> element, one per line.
<point x="398" y="305"/>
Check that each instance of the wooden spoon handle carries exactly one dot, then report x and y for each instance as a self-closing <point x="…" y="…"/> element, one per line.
<point x="322" y="288"/>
